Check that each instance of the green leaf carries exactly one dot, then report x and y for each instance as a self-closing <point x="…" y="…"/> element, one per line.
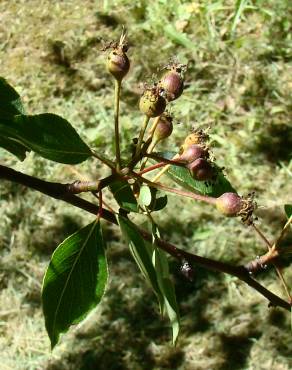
<point x="47" y="134"/>
<point x="158" y="203"/>
<point x="166" y="286"/>
<point x="145" y="196"/>
<point x="178" y="37"/>
<point x="239" y="8"/>
<point x="10" y="105"/>
<point x="183" y="177"/>
<point x="141" y="253"/>
<point x="10" y="102"/>
<point x="13" y="147"/>
<point x="75" y="280"/>
<point x="288" y="210"/>
<point x="124" y="195"/>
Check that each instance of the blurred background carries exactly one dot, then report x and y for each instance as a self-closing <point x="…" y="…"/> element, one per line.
<point x="239" y="82"/>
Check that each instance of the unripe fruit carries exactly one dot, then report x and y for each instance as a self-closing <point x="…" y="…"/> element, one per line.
<point x="118" y="63"/>
<point x="201" y="169"/>
<point x="163" y="129"/>
<point x="173" y="84"/>
<point x="152" y="103"/>
<point x="197" y="137"/>
<point x="193" y="152"/>
<point x="230" y="204"/>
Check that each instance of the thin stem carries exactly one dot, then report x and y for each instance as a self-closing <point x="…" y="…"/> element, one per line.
<point x="283" y="232"/>
<point x="149" y="151"/>
<point x="151" y="168"/>
<point x="141" y="136"/>
<point x="118" y="85"/>
<point x="56" y="190"/>
<point x="262" y="236"/>
<point x="175" y="162"/>
<point x="159" y="165"/>
<point x="279" y="272"/>
<point x="203" y="198"/>
<point x="99" y="214"/>
<point x="153" y="127"/>
<point x="157" y="177"/>
<point x="104" y="160"/>
<point x="150" y="138"/>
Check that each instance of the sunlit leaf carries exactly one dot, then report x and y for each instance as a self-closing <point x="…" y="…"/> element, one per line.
<point x="166" y="286"/>
<point x="141" y="253"/>
<point x="145" y="196"/>
<point x="75" y="280"/>
<point x="10" y="105"/>
<point x="182" y="176"/>
<point x="47" y="134"/>
<point x="288" y="210"/>
<point x="10" y="102"/>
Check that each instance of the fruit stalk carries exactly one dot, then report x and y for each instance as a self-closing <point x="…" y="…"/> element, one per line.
<point x="118" y="84"/>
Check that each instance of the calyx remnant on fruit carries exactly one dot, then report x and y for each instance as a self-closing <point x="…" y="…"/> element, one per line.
<point x="152" y="103"/>
<point x="173" y="81"/>
<point x="231" y="204"/>
<point x="196" y="137"/>
<point x="118" y="63"/>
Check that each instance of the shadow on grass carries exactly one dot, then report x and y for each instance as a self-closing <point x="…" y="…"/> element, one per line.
<point x="46" y="240"/>
<point x="276" y="143"/>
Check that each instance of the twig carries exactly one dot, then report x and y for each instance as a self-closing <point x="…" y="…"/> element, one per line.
<point x="58" y="191"/>
<point x="203" y="198"/>
<point x="279" y="272"/>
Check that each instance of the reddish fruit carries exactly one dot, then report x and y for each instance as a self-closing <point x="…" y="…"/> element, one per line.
<point x="173" y="84"/>
<point x="201" y="169"/>
<point x="163" y="129"/>
<point x="118" y="63"/>
<point x="152" y="103"/>
<point x="230" y="204"/>
<point x="193" y="152"/>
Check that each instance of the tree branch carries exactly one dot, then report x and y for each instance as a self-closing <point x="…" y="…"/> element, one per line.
<point x="60" y="191"/>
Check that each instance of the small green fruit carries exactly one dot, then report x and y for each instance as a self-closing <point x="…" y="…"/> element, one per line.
<point x="152" y="103"/>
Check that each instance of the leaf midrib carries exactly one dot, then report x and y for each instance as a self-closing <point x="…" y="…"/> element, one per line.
<point x="69" y="276"/>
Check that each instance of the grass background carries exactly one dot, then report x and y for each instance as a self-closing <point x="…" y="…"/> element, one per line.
<point x="239" y="83"/>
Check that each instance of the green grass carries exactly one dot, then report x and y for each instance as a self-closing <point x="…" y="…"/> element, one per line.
<point x="239" y="83"/>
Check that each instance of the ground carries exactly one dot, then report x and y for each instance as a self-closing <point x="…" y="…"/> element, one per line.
<point x="239" y="84"/>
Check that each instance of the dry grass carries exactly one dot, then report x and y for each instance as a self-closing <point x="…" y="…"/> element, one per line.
<point x="238" y="84"/>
